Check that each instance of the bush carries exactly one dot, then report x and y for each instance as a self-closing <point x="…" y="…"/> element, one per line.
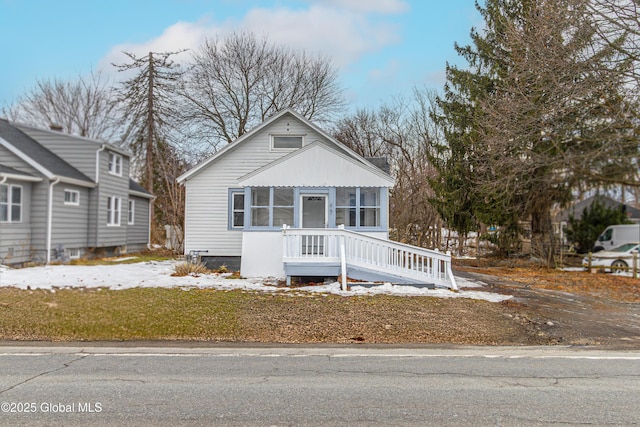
<point x="584" y="232"/>
<point x="190" y="269"/>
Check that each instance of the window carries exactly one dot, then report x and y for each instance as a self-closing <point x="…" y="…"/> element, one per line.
<point x="286" y="142"/>
<point x="71" y="197"/>
<point x="271" y="207"/>
<point x="358" y="207"/>
<point x="73" y="253"/>
<point x="369" y="207"/>
<point x="115" y="164"/>
<point x="10" y="203"/>
<point x="346" y="207"/>
<point x="236" y="209"/>
<point x="113" y="211"/>
<point x="282" y="207"/>
<point x="132" y="212"/>
<point x="260" y="207"/>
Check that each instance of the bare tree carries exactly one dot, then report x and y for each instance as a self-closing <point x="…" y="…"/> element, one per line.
<point x="402" y="132"/>
<point x="148" y="102"/>
<point x="84" y="107"/>
<point x="557" y="121"/>
<point x="236" y="82"/>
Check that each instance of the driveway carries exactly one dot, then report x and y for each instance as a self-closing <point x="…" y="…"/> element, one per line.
<point x="570" y="318"/>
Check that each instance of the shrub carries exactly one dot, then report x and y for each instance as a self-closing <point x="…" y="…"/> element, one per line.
<point x="190" y="269"/>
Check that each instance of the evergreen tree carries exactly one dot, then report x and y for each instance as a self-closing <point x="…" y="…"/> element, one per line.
<point x="584" y="232"/>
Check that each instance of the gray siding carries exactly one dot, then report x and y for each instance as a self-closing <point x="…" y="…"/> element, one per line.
<point x="138" y="233"/>
<point x="206" y="222"/>
<point x="110" y="185"/>
<point x="79" y="153"/>
<point x="16" y="236"/>
<point x="7" y="158"/>
<point x="69" y="223"/>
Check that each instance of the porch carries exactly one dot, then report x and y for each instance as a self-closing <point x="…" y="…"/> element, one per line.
<point x="344" y="253"/>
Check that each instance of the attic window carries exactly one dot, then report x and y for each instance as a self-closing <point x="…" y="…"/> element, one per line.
<point x="286" y="142"/>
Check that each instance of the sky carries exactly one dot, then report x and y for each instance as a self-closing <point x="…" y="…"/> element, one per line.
<point x="381" y="48"/>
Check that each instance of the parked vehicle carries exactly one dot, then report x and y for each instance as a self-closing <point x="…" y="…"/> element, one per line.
<point x="617" y="235"/>
<point x="619" y="258"/>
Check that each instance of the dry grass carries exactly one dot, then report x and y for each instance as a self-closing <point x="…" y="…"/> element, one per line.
<point x="209" y="315"/>
<point x="190" y="269"/>
<point x="611" y="287"/>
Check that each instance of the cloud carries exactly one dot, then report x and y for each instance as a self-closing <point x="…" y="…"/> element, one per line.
<point x="342" y="35"/>
<point x="366" y="6"/>
<point x="179" y="36"/>
<point x="342" y="30"/>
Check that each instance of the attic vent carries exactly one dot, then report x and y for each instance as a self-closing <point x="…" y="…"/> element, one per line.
<point x="55" y="127"/>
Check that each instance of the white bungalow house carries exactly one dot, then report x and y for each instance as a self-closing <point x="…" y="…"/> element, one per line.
<point x="288" y="200"/>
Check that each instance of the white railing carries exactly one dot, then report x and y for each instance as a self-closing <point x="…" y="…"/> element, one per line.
<point x="306" y="245"/>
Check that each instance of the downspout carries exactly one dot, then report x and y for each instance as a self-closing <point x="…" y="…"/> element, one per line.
<point x="50" y="219"/>
<point x="149" y="227"/>
<point x="98" y="162"/>
<point x="97" y="189"/>
<point x="4" y="179"/>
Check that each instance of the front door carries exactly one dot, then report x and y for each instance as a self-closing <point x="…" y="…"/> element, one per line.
<point x="313" y="215"/>
<point x="314" y="211"/>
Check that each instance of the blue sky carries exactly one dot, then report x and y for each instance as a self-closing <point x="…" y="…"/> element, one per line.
<point x="382" y="48"/>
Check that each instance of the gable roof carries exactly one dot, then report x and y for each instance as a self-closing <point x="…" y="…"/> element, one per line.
<point x="36" y="132"/>
<point x="317" y="165"/>
<point x="39" y="157"/>
<point x="11" y="173"/>
<point x="228" y="148"/>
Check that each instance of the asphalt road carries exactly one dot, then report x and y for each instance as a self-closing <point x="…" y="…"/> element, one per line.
<point x="330" y="385"/>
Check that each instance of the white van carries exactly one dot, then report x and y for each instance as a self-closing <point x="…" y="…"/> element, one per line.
<point x="616" y="235"/>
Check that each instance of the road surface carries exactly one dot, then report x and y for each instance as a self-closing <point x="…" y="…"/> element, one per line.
<point x="327" y="385"/>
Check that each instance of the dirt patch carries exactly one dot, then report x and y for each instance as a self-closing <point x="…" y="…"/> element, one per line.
<point x="572" y="308"/>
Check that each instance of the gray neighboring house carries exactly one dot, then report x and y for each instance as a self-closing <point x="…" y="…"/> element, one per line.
<point x="65" y="197"/>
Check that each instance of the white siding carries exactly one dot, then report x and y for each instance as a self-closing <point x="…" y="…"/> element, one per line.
<point x="206" y="222"/>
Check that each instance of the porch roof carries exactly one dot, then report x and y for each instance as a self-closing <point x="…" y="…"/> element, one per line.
<point x="317" y="165"/>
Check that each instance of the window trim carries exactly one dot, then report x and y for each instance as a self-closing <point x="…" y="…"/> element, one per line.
<point x="115" y="164"/>
<point x="233" y="209"/>
<point x="10" y="204"/>
<point x="272" y="146"/>
<point x="77" y="197"/>
<point x="114" y="211"/>
<point x="131" y="212"/>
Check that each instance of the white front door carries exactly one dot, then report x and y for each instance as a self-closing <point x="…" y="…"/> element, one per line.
<point x="313" y="211"/>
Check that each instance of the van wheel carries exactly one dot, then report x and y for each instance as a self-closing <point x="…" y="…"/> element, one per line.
<point x="621" y="266"/>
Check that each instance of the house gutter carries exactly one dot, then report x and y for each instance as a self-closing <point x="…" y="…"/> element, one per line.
<point x="50" y="219"/>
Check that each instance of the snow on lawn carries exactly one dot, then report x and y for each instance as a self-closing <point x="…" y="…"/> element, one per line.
<point x="158" y="274"/>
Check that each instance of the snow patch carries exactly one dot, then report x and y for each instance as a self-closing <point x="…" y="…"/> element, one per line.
<point x="157" y="274"/>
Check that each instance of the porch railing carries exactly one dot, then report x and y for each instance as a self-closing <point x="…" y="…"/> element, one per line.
<point x="352" y="249"/>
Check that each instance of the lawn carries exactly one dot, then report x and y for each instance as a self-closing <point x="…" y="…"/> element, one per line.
<point x="250" y="316"/>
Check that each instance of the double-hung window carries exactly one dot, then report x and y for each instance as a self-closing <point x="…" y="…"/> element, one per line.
<point x="113" y="211"/>
<point x="10" y="203"/>
<point x="131" y="213"/>
<point x="115" y="164"/>
<point x="236" y="209"/>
